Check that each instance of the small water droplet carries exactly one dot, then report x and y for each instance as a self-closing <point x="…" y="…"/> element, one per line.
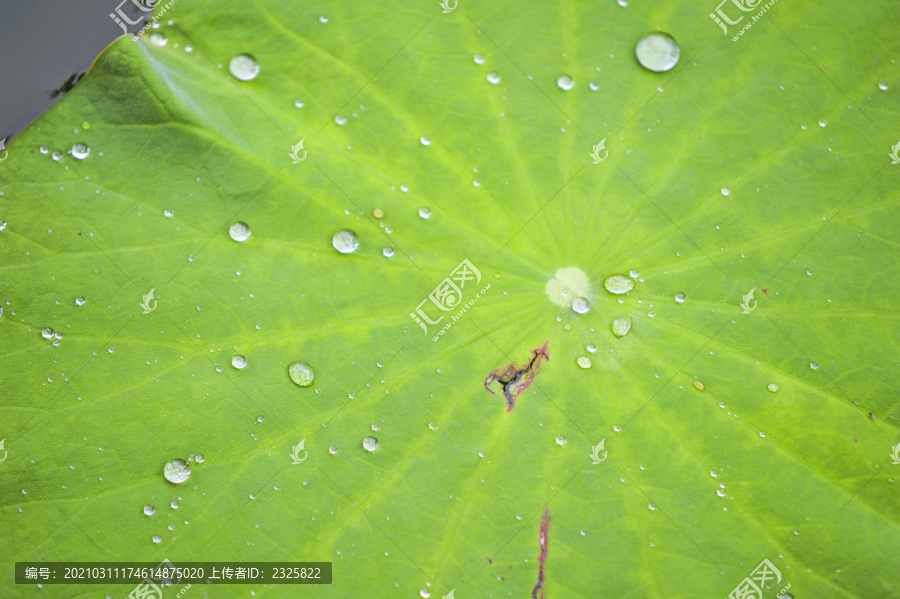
<point x="57" y="156"/>
<point x="157" y="539"/>
<point x="591" y="348"/>
<point x="652" y="506"/>
<point x="177" y="471"/>
<point x="714" y="473"/>
<point x="883" y="86"/>
<point x="565" y="83"/>
<point x="822" y="122"/>
<point x="79" y="301"/>
<point x="618" y="284"/>
<point x="239" y="231"/>
<point x="633" y="273"/>
<point x="239" y="362"/>
<point x="298" y="104"/>
<point x="188" y="48"/>
<point x="814" y="365"/>
<point x="699" y="386"/>
<point x="594" y="87"/>
<point x="809" y="273"/>
<point x="620" y="326"/>
<point x="493" y="78"/>
<point x="425" y="212"/>
<point x="149" y="510"/>
<point x="332" y="450"/>
<point x="244" y="67"/>
<point x="47" y="333"/>
<point x="679" y="297"/>
<point x="323" y="19"/>
<point x="425" y="593"/>
<point x="478" y="58"/>
<point x="726" y="192"/>
<point x="762" y="433"/>
<point x="772" y="387"/>
<point x="346" y="241"/>
<point x="720" y="492"/>
<point x="199" y="459"/>
<point x="378" y="213"/>
<point x="340" y="120"/>
<point x="432" y="425"/>
<point x="583" y="362"/>
<point x="168" y="213"/>
<point x="560" y="440"/>
<point x="374" y="427"/>
<point x="158" y="39"/>
<point x="44" y="149"/>
<point x="581" y="305"/>
<point x="301" y="373"/>
<point x="174" y="505"/>
<point x="425" y="141"/>
<point x="622" y="2"/>
<point x="658" y="52"/>
<point x="388" y="252"/>
<point x="370" y="443"/>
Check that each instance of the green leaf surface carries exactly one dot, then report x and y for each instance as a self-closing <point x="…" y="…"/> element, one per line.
<point x="759" y="164"/>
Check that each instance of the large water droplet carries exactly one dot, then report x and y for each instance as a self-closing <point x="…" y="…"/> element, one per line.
<point x="370" y="443"/>
<point x="581" y="305"/>
<point x="388" y="252"/>
<point x="239" y="231"/>
<point x="301" y="373"/>
<point x="346" y="241"/>
<point x="658" y="52"/>
<point x="565" y="83"/>
<point x="618" y="284"/>
<point x="244" y="67"/>
<point x="239" y="362"/>
<point x="47" y="333"/>
<point x="583" y="362"/>
<point x="620" y="326"/>
<point x="425" y="212"/>
<point x="177" y="471"/>
<point x="493" y="78"/>
<point x="149" y="510"/>
<point x="679" y="297"/>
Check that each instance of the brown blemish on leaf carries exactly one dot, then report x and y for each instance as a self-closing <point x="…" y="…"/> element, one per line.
<point x="538" y="591"/>
<point x="514" y="380"/>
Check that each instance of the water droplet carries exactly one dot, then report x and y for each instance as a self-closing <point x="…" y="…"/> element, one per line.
<point x="714" y="473"/>
<point x="633" y="273"/>
<point x="679" y="297"/>
<point x="188" y="48"/>
<point x="658" y="52"/>
<point x="177" y="471"/>
<point x="565" y="83"/>
<point x="620" y="326"/>
<point x="301" y="373"/>
<point x="726" y="192"/>
<point x="239" y="362"/>
<point x="652" y="506"/>
<point x="478" y="58"/>
<point x="581" y="305"/>
<point x="883" y="86"/>
<point x="244" y="67"/>
<point x="720" y="492"/>
<point x="809" y="273"/>
<point x="772" y="387"/>
<point x="79" y="301"/>
<point x="374" y="427"/>
<point x="591" y="348"/>
<point x="340" y="120"/>
<point x="44" y="149"/>
<point x="149" y="510"/>
<point x="618" y="284"/>
<point x="560" y="440"/>
<point x="332" y="450"/>
<point x="157" y="539"/>
<point x="594" y="87"/>
<point x="346" y="241"/>
<point x="699" y="386"/>
<point x="298" y="104"/>
<point x="260" y="419"/>
<point x="622" y="2"/>
<point x="174" y="505"/>
<point x="425" y="593"/>
<point x="493" y="78"/>
<point x="583" y="362"/>
<point x="378" y="213"/>
<point x="762" y="433"/>
<point x="158" y="39"/>
<point x="47" y="333"/>
<point x="370" y="443"/>
<point x="388" y="252"/>
<point x="239" y="231"/>
<point x="814" y="365"/>
<point x="199" y="459"/>
<point x="822" y="122"/>
<point x="425" y="141"/>
<point x="56" y="156"/>
<point x="168" y="213"/>
<point x="425" y="212"/>
<point x="432" y="425"/>
<point x="323" y="19"/>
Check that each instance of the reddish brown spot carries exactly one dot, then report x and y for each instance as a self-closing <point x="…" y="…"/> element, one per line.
<point x="538" y="591"/>
<point x="514" y="380"/>
<point x="766" y="292"/>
